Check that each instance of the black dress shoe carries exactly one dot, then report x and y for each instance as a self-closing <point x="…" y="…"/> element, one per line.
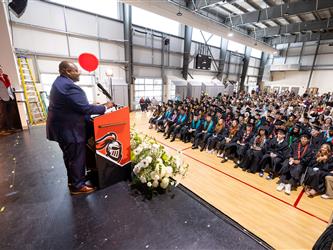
<point x="173" y="139"/>
<point x="236" y="166"/>
<point x="224" y="160"/>
<point x="194" y="147"/>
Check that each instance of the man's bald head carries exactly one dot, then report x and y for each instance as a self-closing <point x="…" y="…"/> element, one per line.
<point x="70" y="70"/>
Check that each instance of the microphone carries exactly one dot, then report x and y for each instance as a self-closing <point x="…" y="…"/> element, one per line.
<point x="104" y="91"/>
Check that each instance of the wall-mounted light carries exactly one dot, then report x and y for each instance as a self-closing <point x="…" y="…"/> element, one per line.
<point x="179" y="13"/>
<point x="230" y="34"/>
<point x="109" y="72"/>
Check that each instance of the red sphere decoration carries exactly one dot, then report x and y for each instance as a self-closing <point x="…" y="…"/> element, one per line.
<point x="88" y="61"/>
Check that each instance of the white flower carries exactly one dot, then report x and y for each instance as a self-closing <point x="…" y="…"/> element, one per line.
<point x="164" y="183"/>
<point x="138" y="150"/>
<point x="156" y="177"/>
<point x="155" y="184"/>
<point x="149" y="184"/>
<point x="172" y="183"/>
<point x="136" y="170"/>
<point x="149" y="159"/>
<point x="145" y="163"/>
<point x="155" y="147"/>
<point x="143" y="179"/>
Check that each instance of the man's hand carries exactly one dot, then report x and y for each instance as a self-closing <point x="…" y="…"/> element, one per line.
<point x="109" y="105"/>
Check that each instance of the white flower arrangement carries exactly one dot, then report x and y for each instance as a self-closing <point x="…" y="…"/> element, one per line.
<point x="151" y="164"/>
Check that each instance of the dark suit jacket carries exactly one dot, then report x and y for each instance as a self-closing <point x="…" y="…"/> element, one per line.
<point x="67" y="110"/>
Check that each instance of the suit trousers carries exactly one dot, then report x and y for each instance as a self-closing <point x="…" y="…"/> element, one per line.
<point x="74" y="155"/>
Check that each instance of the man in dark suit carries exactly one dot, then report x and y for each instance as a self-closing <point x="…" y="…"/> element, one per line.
<point x="65" y="124"/>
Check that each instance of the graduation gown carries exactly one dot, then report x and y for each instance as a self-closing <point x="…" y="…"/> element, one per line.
<point x="316" y="142"/>
<point x="253" y="155"/>
<point x="273" y="164"/>
<point x="292" y="173"/>
<point x="239" y="147"/>
<point x="316" y="178"/>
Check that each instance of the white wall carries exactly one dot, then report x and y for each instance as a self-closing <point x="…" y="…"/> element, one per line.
<point x="322" y="74"/>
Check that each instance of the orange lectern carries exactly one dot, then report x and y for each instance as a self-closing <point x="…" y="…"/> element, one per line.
<point x="111" y="158"/>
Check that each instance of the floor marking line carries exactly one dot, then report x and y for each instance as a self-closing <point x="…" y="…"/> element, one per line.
<point x="272" y="196"/>
<point x="299" y="198"/>
<point x="264" y="192"/>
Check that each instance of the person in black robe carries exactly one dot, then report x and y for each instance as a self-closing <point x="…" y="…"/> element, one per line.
<point x="220" y="132"/>
<point x="238" y="149"/>
<point x="233" y="135"/>
<point x="251" y="158"/>
<point x="174" y="129"/>
<point x="320" y="167"/>
<point x="276" y="151"/>
<point x="292" y="169"/>
<point x="317" y="138"/>
<point x="294" y="134"/>
<point x="204" y="132"/>
<point x="187" y="132"/>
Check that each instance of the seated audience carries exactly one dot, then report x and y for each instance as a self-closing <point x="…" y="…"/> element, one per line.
<point x="293" y="134"/>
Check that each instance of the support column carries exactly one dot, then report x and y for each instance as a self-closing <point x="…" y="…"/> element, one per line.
<point x="128" y="37"/>
<point x="246" y="61"/>
<point x="263" y="62"/>
<point x="8" y="60"/>
<point x="313" y="64"/>
<point x="187" y="50"/>
<point x="223" y="55"/>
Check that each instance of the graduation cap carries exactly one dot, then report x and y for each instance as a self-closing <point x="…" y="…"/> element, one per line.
<point x="279" y="123"/>
<point x="282" y="130"/>
<point x="292" y="115"/>
<point x="298" y="125"/>
<point x="306" y="134"/>
<point x="218" y="110"/>
<point x="316" y="126"/>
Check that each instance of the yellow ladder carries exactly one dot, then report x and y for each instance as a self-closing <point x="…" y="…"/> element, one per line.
<point x="35" y="108"/>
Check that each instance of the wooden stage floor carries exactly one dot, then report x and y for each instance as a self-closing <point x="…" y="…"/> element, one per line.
<point x="284" y="222"/>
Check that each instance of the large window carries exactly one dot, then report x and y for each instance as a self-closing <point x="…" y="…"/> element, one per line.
<point x="147" y="87"/>
<point x="107" y="8"/>
<point x="153" y="21"/>
<point x="86" y="83"/>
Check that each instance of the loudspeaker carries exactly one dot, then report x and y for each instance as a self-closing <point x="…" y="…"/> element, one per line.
<point x="166" y="41"/>
<point x="18" y="7"/>
<point x="203" y="61"/>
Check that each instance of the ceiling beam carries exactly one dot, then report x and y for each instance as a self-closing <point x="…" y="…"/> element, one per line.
<point x="202" y="4"/>
<point x="294" y="27"/>
<point x="304" y="6"/>
<point x="301" y="38"/>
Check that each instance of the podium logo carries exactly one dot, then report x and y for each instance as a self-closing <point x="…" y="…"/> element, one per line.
<point x="109" y="146"/>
